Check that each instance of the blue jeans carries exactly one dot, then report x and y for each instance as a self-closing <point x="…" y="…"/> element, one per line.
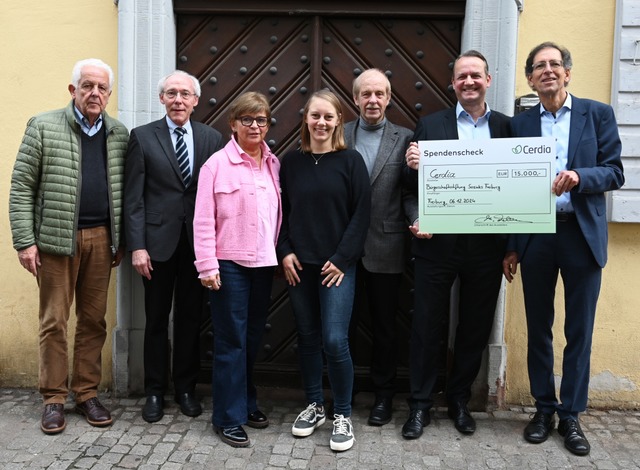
<point x="238" y="316"/>
<point x="322" y="319"/>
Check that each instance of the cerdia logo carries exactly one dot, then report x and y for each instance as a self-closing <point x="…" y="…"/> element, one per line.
<point x="528" y="149"/>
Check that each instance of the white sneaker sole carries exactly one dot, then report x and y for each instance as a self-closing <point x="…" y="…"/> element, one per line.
<point x="341" y="446"/>
<point x="308" y="431"/>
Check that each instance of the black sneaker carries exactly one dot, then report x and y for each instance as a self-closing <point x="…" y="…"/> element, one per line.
<point x="342" y="437"/>
<point x="308" y="420"/>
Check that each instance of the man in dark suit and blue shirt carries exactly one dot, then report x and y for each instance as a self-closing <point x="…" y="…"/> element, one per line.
<point x="382" y="145"/>
<point x="476" y="259"/>
<point x="161" y="177"/>
<point x="588" y="163"/>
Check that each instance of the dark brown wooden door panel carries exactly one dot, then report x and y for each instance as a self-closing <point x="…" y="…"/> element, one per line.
<point x="287" y="57"/>
<point x="415" y="55"/>
<point x="238" y="54"/>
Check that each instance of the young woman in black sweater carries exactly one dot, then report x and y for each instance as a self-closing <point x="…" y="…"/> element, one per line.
<point x="326" y="205"/>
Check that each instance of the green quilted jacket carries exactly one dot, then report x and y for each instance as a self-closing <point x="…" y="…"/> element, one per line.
<point x="45" y="184"/>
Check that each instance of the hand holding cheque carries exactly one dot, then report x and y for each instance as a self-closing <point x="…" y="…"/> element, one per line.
<point x="487" y="186"/>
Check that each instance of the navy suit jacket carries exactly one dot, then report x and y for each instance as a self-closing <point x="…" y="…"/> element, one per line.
<point x="594" y="153"/>
<point x="156" y="203"/>
<point x="443" y="125"/>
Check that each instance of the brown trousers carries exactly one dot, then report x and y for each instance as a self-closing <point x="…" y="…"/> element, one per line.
<point x="87" y="276"/>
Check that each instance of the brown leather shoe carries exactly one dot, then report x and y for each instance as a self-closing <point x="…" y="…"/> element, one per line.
<point x="53" y="420"/>
<point x="96" y="414"/>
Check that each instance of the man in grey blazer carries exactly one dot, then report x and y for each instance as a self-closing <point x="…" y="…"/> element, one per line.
<point x="161" y="176"/>
<point x="382" y="145"/>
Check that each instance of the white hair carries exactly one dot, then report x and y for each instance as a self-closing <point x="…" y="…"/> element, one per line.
<point x="163" y="81"/>
<point x="77" y="70"/>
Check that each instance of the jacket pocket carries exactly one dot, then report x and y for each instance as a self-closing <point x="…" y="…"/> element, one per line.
<point x="394" y="227"/>
<point x="153" y="218"/>
<point x="229" y="200"/>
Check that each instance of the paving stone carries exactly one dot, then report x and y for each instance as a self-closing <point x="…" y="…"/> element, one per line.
<point x="183" y="443"/>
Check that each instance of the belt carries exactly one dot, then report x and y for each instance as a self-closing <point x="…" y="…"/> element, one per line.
<point x="565" y="216"/>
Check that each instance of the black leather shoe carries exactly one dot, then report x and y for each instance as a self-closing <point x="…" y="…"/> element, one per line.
<point x="152" y="409"/>
<point x="235" y="436"/>
<point x="381" y="412"/>
<point x="418" y="419"/>
<point x="257" y="420"/>
<point x="539" y="427"/>
<point x="462" y="419"/>
<point x="188" y="404"/>
<point x="574" y="439"/>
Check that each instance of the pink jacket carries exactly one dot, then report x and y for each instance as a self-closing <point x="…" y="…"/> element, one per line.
<point x="225" y="223"/>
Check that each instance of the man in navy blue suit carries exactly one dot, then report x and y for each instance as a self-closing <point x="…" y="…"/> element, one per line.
<point x="476" y="259"/>
<point x="587" y="164"/>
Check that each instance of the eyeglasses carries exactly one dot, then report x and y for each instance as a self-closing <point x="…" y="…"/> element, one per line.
<point x="554" y="64"/>
<point x="172" y="94"/>
<point x="247" y="121"/>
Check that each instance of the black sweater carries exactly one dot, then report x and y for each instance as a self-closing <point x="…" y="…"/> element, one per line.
<point x="325" y="207"/>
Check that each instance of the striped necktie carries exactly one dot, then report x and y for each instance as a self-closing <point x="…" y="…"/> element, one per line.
<point x="183" y="155"/>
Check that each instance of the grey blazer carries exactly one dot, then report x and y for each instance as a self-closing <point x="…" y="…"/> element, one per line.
<point x="393" y="208"/>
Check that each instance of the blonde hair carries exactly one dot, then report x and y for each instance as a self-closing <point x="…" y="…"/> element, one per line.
<point x="337" y="139"/>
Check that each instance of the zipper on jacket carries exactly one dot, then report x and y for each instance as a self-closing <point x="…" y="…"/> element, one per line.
<point x="112" y="214"/>
<point x="76" y="213"/>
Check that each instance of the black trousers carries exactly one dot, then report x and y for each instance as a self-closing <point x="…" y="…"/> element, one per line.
<point x="174" y="283"/>
<point x="379" y="293"/>
<point x="477" y="261"/>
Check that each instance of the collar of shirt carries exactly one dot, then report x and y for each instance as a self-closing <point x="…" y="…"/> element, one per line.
<point x="468" y="129"/>
<point x="172" y="127"/>
<point x="243" y="153"/>
<point x="84" y="123"/>
<point x="565" y="107"/>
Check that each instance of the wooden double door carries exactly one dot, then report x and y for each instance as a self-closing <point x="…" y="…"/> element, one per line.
<point x="287" y="56"/>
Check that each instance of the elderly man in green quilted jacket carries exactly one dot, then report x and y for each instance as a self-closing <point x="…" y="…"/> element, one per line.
<point x="65" y="208"/>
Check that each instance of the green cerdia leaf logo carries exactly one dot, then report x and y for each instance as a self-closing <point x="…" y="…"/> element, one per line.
<point x="517" y="149"/>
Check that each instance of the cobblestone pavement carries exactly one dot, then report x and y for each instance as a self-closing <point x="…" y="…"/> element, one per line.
<point x="179" y="442"/>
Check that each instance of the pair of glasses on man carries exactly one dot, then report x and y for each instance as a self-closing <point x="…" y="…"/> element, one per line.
<point x="554" y="64"/>
<point x="172" y="94"/>
<point x="247" y="121"/>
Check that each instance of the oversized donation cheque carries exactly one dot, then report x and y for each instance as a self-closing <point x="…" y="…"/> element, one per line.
<point x="487" y="185"/>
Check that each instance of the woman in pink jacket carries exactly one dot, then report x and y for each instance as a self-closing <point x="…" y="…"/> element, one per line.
<point x="236" y="223"/>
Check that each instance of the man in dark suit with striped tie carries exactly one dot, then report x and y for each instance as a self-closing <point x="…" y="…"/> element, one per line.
<point x="161" y="176"/>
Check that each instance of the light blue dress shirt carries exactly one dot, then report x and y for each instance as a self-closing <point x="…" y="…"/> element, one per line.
<point x="558" y="127"/>
<point x="468" y="129"/>
<point x="84" y="123"/>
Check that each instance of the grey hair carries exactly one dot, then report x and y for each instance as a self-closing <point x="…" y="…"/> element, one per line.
<point x="194" y="80"/>
<point x="372" y="71"/>
<point x="77" y="70"/>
